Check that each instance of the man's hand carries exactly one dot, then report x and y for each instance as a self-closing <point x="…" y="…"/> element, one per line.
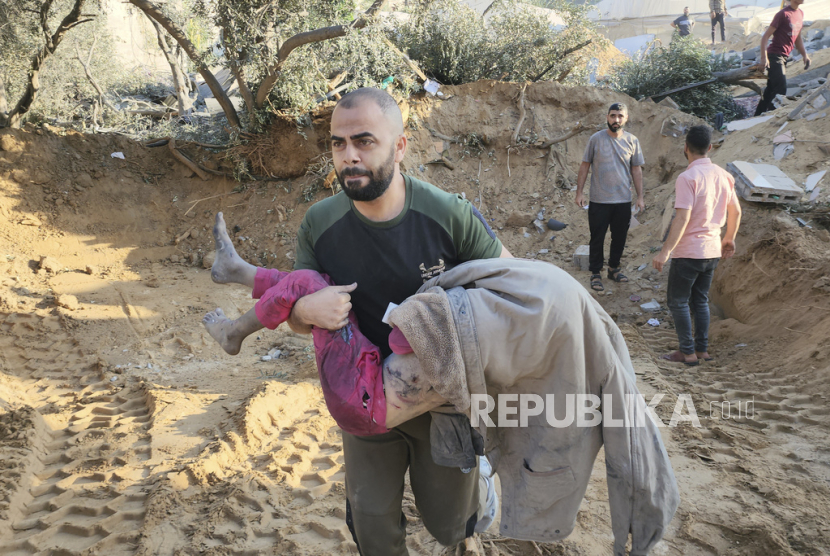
<point x="328" y="308"/>
<point x="580" y="199"/>
<point x="807" y="62"/>
<point x="727" y="248"/>
<point x="712" y="14"/>
<point x="641" y="204"/>
<point x="660" y="260"/>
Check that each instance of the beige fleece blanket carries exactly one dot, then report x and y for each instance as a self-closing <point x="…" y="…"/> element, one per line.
<point x="427" y="323"/>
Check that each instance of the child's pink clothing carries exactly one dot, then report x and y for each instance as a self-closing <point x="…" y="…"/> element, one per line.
<point x="350" y="366"/>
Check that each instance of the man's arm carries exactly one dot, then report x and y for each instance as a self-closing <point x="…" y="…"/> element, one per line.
<point x="733" y="222"/>
<point x="505" y="254"/>
<point x="328" y="308"/>
<point x="763" y="62"/>
<point x="637" y="175"/>
<point x="678" y="226"/>
<point x="580" y="182"/>
<point x="799" y="45"/>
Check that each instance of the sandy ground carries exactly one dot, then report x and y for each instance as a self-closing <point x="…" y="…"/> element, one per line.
<point x="125" y="430"/>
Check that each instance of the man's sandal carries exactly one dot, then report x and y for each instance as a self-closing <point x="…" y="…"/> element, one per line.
<point x="596" y="282"/>
<point x="617" y="276"/>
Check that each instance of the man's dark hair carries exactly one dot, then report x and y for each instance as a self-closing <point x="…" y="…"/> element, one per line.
<point x="699" y="138"/>
<point x="381" y="98"/>
<point x="619" y="107"/>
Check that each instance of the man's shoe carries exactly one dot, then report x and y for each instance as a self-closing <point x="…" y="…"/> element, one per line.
<point x="488" y="500"/>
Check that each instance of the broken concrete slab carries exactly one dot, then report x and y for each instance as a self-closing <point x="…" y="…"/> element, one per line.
<point x="670" y="103"/>
<point x="782" y="150"/>
<point x="813" y="180"/>
<point x="740" y="125"/>
<point x="814" y="195"/>
<point x="763" y="183"/>
<point x="815" y="116"/>
<point x="813" y="83"/>
<point x="581" y="257"/>
<point x="672" y="128"/>
<point x="784" y="138"/>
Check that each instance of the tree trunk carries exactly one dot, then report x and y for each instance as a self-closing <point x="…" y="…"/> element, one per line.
<point x="298" y="40"/>
<point x="72" y="19"/>
<point x="232" y="55"/>
<point x="742" y="77"/>
<point x="210" y="80"/>
<point x="182" y="97"/>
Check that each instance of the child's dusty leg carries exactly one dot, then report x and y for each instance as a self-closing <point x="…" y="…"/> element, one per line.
<point x="408" y="393"/>
<point x="230" y="333"/>
<point x="228" y="267"/>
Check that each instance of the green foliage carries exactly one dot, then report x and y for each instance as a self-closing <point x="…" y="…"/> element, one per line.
<point x="685" y="61"/>
<point x="516" y="42"/>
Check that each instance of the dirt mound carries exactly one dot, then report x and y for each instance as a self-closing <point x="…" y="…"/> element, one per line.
<point x="143" y="437"/>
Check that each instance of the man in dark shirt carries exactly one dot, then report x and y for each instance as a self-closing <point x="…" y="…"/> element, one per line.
<point x="684" y="24"/>
<point x="382" y="237"/>
<point x="785" y="31"/>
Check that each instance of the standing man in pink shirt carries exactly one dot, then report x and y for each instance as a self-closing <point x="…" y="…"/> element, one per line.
<point x="705" y="200"/>
<point x="785" y="30"/>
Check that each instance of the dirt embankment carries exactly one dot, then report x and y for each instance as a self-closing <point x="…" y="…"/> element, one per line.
<point x="125" y="430"/>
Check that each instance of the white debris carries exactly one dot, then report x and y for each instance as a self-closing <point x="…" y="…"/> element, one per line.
<point x="813" y="180"/>
<point x="739" y="125"/>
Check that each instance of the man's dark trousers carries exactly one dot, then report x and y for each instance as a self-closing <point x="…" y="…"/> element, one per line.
<point x="776" y="82"/>
<point x="601" y="216"/>
<point x="715" y="20"/>
<point x="688" y="290"/>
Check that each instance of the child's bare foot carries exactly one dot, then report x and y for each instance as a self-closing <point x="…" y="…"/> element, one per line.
<point x="222" y="329"/>
<point x="228" y="267"/>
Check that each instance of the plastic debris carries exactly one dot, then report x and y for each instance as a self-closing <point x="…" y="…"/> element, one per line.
<point x="556" y="225"/>
<point x="431" y="87"/>
<point x="782" y="150"/>
<point x="653" y="322"/>
<point x="635" y="298"/>
<point x="650" y="307"/>
<point x="118" y="155"/>
<point x="642" y="266"/>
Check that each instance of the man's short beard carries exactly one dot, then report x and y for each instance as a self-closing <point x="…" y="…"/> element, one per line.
<point x="379" y="180"/>
<point x="611" y="127"/>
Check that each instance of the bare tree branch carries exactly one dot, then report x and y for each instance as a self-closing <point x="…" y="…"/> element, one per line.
<point x="155" y="13"/>
<point x="300" y="39"/>
<point x="88" y="73"/>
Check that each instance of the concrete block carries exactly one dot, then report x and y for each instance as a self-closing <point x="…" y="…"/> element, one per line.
<point x="668" y="101"/>
<point x="581" y="257"/>
<point x="672" y="128"/>
<point x="815" y="34"/>
<point x="763" y="183"/>
<point x="750" y="55"/>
